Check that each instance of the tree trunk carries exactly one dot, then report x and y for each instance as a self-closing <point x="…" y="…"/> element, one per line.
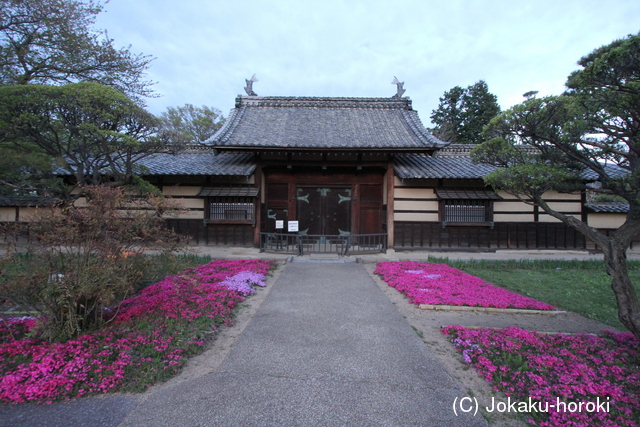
<point x="614" y="248"/>
<point x="615" y="259"/>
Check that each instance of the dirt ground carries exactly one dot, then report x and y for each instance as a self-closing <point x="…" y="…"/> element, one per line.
<point x="208" y="361"/>
<point x="427" y="324"/>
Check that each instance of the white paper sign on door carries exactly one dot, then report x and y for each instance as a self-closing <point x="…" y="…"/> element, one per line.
<point x="279" y="224"/>
<point x="292" y="226"/>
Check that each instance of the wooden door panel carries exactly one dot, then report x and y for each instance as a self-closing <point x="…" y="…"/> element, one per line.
<point x="337" y="204"/>
<point x="324" y="210"/>
<point x="370" y="221"/>
<point x="309" y="210"/>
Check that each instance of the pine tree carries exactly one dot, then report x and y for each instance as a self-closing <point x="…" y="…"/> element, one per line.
<point x="463" y="113"/>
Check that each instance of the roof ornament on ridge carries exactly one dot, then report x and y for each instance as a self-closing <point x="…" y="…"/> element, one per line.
<point x="400" y="85"/>
<point x="249" y="87"/>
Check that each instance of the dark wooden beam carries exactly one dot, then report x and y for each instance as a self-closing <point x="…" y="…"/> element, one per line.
<point x="390" y="193"/>
<point x="256" y="210"/>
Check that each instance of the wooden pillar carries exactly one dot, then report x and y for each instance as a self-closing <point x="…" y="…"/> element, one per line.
<point x="390" y="185"/>
<point x="355" y="208"/>
<point x="257" y="211"/>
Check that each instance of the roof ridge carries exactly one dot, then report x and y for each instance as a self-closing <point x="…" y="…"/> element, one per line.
<point x="464" y="150"/>
<point x="323" y="102"/>
<point x="196" y="148"/>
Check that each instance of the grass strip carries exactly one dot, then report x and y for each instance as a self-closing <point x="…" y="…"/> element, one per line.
<point x="580" y="286"/>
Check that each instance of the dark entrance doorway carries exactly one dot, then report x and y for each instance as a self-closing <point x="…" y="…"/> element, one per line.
<point x="324" y="210"/>
<point x="339" y="201"/>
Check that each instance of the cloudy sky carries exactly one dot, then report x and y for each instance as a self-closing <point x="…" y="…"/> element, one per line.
<point x="205" y="49"/>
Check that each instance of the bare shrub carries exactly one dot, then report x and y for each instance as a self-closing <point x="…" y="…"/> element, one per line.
<point x="86" y="259"/>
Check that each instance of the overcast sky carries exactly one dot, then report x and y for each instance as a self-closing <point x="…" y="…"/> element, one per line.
<point x="205" y="49"/>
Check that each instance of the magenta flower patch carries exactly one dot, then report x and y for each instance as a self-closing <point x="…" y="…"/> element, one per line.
<point x="559" y="372"/>
<point x="149" y="339"/>
<point x="427" y="283"/>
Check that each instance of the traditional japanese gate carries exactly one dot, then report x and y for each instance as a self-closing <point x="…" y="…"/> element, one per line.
<point x="339" y="212"/>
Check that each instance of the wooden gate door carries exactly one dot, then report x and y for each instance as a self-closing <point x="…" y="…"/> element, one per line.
<point x="324" y="210"/>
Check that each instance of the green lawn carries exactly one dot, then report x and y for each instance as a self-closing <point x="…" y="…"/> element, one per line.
<point x="157" y="268"/>
<point x="160" y="266"/>
<point x="580" y="286"/>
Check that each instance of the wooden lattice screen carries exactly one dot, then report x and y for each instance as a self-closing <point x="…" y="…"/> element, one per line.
<point x="466" y="210"/>
<point x="231" y="208"/>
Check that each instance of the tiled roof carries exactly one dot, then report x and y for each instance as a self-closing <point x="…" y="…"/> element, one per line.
<point x="613" y="171"/>
<point x="304" y="123"/>
<point x="454" y="161"/>
<point x="424" y="166"/>
<point x="608" y="207"/>
<point x="27" y="201"/>
<point x="229" y="191"/>
<point x="202" y="161"/>
<point x="467" y="194"/>
<point x="199" y="163"/>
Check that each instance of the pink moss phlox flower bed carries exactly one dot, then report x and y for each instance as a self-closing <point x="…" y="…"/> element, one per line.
<point x="440" y="284"/>
<point x="149" y="339"/>
<point x="552" y="368"/>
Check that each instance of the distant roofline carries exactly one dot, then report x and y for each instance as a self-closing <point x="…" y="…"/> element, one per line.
<point x="608" y="207"/>
<point x="464" y="150"/>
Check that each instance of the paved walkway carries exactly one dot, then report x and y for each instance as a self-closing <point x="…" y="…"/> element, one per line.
<point x="326" y="347"/>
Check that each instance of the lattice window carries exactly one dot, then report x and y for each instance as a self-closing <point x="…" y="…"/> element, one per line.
<point x="461" y="210"/>
<point x="231" y="208"/>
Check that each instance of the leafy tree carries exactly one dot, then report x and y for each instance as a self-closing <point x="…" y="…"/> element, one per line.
<point x="27" y="174"/>
<point x="479" y="106"/>
<point x="463" y="113"/>
<point x="53" y="42"/>
<point x="448" y="116"/>
<point x="198" y="124"/>
<point x="95" y="131"/>
<point x="591" y="132"/>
